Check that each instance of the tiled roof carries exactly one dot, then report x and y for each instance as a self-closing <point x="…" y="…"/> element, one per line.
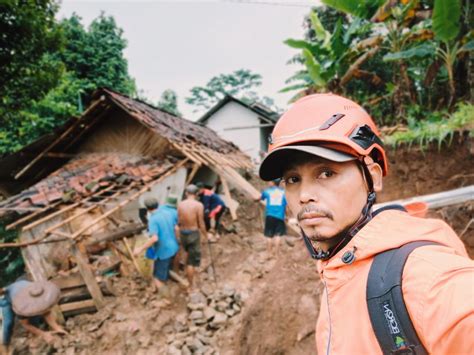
<point x="174" y="128"/>
<point x="85" y="175"/>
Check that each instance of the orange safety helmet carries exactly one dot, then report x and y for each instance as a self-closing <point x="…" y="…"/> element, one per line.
<point x="326" y="125"/>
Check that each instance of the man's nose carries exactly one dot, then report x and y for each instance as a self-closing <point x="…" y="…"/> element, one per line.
<point x="308" y="192"/>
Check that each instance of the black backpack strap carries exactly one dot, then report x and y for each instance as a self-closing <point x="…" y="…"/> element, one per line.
<point x="388" y="314"/>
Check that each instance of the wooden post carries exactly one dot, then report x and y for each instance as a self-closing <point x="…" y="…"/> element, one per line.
<point x="132" y="257"/>
<point x="232" y="210"/>
<point x="32" y="258"/>
<point x="88" y="276"/>
<point x="193" y="173"/>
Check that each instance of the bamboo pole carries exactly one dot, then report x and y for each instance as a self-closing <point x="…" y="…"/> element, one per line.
<point x="57" y="213"/>
<point x="132" y="257"/>
<point x="57" y="140"/>
<point x="71" y="218"/>
<point x="192" y="173"/>
<point x="34" y="214"/>
<point x="39" y="156"/>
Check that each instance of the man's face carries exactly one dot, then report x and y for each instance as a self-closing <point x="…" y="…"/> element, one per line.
<point x="326" y="197"/>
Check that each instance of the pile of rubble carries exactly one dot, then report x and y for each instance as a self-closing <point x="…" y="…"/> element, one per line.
<point x="208" y="311"/>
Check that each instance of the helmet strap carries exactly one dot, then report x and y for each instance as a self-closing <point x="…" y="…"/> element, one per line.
<point x="346" y="236"/>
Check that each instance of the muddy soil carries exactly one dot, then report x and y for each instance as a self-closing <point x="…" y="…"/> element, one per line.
<point x="279" y="296"/>
<point x="414" y="171"/>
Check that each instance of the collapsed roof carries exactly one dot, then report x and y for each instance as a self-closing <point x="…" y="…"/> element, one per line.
<point x="37" y="160"/>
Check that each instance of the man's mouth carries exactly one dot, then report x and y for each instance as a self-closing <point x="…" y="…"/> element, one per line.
<point x="312" y="218"/>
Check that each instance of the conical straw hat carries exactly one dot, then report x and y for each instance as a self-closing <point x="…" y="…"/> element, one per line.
<point x="36" y="298"/>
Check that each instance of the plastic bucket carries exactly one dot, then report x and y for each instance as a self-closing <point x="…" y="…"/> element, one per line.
<point x="417" y="209"/>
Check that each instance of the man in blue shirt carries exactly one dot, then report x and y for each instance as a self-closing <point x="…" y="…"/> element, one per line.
<point x="275" y="207"/>
<point x="214" y="208"/>
<point x="162" y="245"/>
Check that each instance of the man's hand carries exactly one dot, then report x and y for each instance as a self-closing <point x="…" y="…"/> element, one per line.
<point x="137" y="251"/>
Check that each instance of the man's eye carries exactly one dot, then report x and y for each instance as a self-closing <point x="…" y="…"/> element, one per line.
<point x="291" y="180"/>
<point x="325" y="174"/>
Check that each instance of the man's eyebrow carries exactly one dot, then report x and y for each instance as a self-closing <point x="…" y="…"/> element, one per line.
<point x="315" y="161"/>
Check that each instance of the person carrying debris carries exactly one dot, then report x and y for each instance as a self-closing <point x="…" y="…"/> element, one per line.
<point x="393" y="283"/>
<point x="191" y="224"/>
<point x="162" y="245"/>
<point x="214" y="208"/>
<point x="275" y="208"/>
<point x="28" y="301"/>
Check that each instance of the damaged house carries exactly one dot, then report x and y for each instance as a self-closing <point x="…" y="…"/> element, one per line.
<point x="77" y="190"/>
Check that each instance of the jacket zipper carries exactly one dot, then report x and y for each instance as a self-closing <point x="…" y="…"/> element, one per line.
<point x="329" y="316"/>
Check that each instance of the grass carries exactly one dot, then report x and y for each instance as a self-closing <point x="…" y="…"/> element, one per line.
<point x="437" y="127"/>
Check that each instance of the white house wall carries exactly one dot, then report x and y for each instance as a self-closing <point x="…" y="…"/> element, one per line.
<point x="171" y="185"/>
<point x="234" y="115"/>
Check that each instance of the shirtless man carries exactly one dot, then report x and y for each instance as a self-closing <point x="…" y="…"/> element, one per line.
<point x="191" y="222"/>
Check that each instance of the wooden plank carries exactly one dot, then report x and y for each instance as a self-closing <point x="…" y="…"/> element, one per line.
<point x="81" y="293"/>
<point x="88" y="276"/>
<point x="119" y="233"/>
<point x="32" y="258"/>
<point x="65" y="282"/>
<point x="232" y="210"/>
<point x="74" y="306"/>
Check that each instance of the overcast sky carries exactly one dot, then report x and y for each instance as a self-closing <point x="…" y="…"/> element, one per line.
<point x="180" y="44"/>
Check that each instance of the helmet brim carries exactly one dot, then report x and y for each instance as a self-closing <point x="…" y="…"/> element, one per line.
<point x="274" y="164"/>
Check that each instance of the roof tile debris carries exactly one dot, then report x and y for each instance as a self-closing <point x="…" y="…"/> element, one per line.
<point x="85" y="175"/>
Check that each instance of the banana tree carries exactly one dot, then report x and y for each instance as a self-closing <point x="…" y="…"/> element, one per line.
<point x="328" y="58"/>
<point x="446" y="47"/>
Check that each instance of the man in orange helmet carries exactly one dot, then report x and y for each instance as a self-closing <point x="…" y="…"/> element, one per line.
<point x="327" y="150"/>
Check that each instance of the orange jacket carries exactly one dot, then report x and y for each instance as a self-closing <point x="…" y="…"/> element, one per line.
<point x="437" y="285"/>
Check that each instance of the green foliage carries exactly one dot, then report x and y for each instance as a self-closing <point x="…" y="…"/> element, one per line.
<point x="326" y="56"/>
<point x="363" y="8"/>
<point x="29" y="34"/>
<point x="169" y="102"/>
<point x="438" y="126"/>
<point x="96" y="55"/>
<point x="237" y="83"/>
<point x="400" y="59"/>
<point x="11" y="262"/>
<point x="421" y="51"/>
<point x="446" y="19"/>
<point x="40" y="99"/>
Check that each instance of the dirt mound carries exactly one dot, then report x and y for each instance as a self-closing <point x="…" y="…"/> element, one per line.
<point x="414" y="171"/>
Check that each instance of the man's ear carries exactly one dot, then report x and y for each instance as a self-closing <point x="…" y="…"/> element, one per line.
<point x="377" y="173"/>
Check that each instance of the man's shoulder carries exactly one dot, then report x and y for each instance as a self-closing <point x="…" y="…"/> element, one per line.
<point x="437" y="258"/>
